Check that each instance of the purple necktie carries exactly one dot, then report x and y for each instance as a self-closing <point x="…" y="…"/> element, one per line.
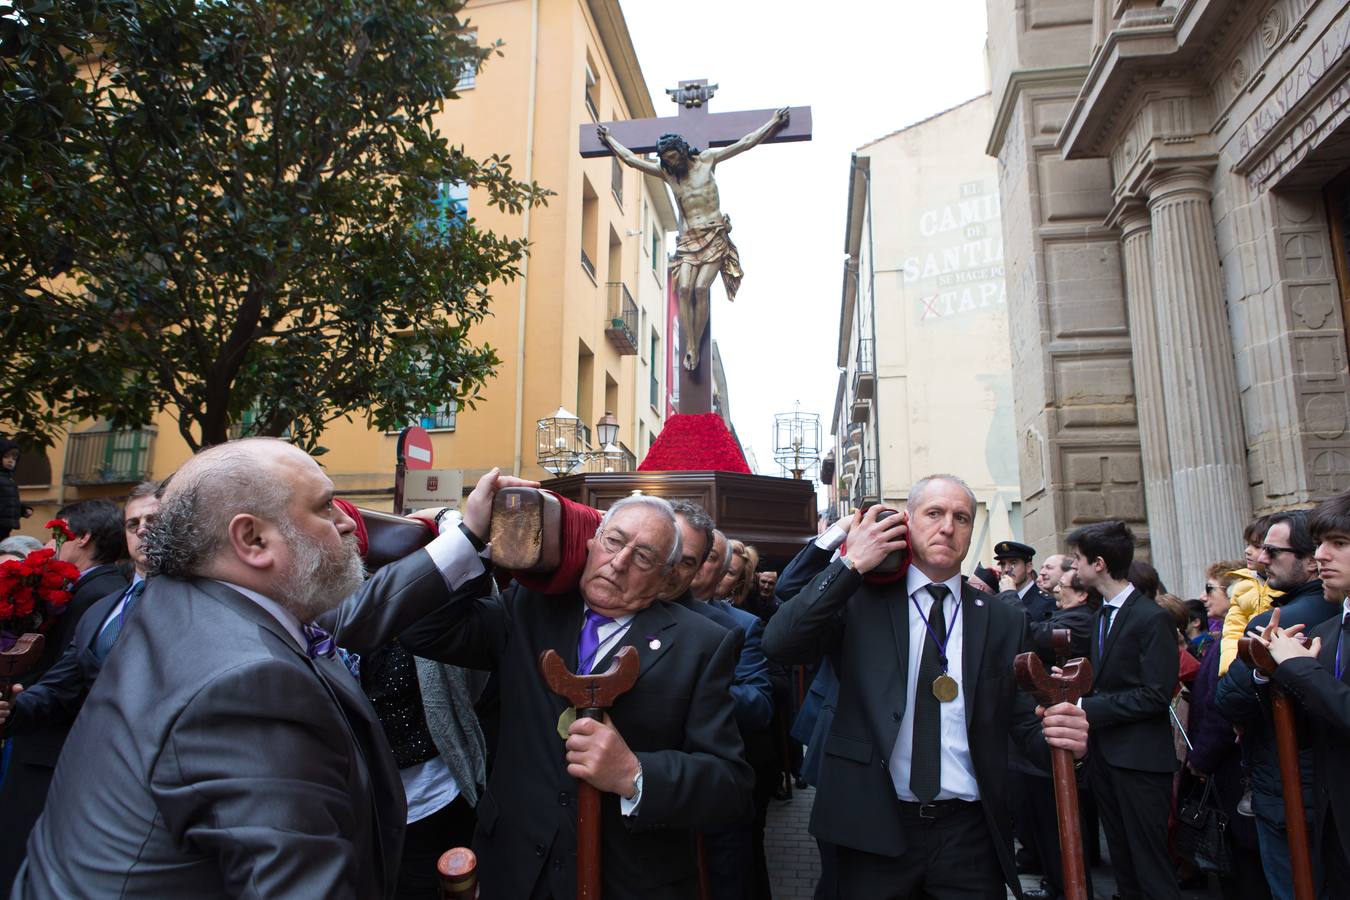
<point x="589" y="642"/>
<point x="320" y="643"/>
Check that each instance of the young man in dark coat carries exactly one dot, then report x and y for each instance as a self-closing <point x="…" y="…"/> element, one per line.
<point x="1135" y="663"/>
<point x="1316" y="674"/>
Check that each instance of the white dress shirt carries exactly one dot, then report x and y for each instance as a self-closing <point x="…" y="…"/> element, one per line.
<point x="1116" y="603"/>
<point x="1022" y="594"/>
<point x="958" y="770"/>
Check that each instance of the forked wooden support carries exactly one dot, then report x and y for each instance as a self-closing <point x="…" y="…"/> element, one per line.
<point x="591" y="695"/>
<point x="1073" y="681"/>
<point x="1257" y="655"/>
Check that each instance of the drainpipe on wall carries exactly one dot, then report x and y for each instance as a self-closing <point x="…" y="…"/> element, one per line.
<point x="525" y="227"/>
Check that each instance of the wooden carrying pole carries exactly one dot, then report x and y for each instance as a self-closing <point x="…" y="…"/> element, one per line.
<point x="458" y="872"/>
<point x="17" y="660"/>
<point x="1257" y="655"/>
<point x="591" y="695"/>
<point x="1074" y="681"/>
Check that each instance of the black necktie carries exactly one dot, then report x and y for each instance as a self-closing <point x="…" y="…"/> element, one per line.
<point x="925" y="768"/>
<point x="1108" y="613"/>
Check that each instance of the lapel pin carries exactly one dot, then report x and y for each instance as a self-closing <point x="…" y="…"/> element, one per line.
<point x="979" y="602"/>
<point x="653" y="642"/>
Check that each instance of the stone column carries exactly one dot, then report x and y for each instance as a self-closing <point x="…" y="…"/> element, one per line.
<point x="1204" y="422"/>
<point x="1164" y="537"/>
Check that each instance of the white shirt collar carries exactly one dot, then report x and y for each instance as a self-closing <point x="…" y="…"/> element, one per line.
<point x="1022" y="594"/>
<point x="1119" y="599"/>
<point x="616" y="620"/>
<point x="915" y="580"/>
<point x="276" y="610"/>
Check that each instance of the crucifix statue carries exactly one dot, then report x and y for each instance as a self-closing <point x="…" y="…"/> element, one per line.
<point x="704" y="249"/>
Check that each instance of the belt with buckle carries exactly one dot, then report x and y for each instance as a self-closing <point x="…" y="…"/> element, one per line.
<point x="937" y="809"/>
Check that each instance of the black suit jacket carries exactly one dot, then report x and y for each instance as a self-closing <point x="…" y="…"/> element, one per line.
<point x="867" y="627"/>
<point x="1039" y="605"/>
<point x="218" y="759"/>
<point x="1133" y="681"/>
<point x="678" y="719"/>
<point x="93" y="586"/>
<point x="1080" y="621"/>
<point x="1313" y="683"/>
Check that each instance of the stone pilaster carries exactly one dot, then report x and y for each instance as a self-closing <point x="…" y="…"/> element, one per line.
<point x="1137" y="244"/>
<point x="1199" y="378"/>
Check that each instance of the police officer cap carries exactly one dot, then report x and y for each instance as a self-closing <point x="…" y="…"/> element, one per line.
<point x="1013" y="550"/>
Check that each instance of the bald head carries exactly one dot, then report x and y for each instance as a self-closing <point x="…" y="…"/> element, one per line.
<point x="198" y="501"/>
<point x="259" y="513"/>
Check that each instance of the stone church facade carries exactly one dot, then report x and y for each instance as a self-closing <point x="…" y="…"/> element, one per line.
<point x="1175" y="182"/>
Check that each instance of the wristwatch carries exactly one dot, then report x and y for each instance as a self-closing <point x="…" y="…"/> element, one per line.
<point x="637" y="785"/>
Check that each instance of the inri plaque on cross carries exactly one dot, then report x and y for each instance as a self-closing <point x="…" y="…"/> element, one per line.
<point x="689" y="146"/>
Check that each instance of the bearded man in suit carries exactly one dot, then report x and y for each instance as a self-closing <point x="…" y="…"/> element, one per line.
<point x="911" y="786"/>
<point x="225" y="750"/>
<point x="667" y="758"/>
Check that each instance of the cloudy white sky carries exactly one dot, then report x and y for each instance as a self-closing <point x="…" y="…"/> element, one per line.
<point x="865" y="68"/>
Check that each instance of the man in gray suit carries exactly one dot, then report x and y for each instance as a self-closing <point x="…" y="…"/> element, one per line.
<point x="224" y="749"/>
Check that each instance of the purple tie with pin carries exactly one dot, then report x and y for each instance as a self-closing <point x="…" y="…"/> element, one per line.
<point x="589" y="642"/>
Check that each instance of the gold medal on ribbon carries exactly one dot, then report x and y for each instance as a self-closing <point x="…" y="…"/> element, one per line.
<point x="945" y="688"/>
<point x="569" y="715"/>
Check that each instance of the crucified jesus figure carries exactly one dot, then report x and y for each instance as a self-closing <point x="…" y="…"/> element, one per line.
<point x="704" y="247"/>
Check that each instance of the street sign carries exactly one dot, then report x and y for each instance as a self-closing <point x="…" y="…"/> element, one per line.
<point x="433" y="487"/>
<point x="414" y="447"/>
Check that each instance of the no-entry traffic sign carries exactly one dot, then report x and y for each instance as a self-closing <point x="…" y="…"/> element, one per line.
<point x="414" y="447"/>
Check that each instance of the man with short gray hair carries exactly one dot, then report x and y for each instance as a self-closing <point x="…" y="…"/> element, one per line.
<point x="911" y="787"/>
<point x="224" y="750"/>
<point x="667" y="758"/>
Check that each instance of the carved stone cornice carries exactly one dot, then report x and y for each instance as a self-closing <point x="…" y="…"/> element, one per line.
<point x="1165" y="42"/>
<point x="1020" y="80"/>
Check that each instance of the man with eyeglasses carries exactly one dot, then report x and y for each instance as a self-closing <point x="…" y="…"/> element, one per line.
<point x="1287" y="553"/>
<point x="41" y="715"/>
<point x="667" y="758"/>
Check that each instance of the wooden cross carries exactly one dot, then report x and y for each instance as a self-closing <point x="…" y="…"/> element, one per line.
<point x="701" y="129"/>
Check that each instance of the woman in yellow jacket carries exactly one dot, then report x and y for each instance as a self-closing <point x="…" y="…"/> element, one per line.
<point x="1248" y="592"/>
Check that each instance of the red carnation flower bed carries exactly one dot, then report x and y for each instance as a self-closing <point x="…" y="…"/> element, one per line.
<point x="695" y="442"/>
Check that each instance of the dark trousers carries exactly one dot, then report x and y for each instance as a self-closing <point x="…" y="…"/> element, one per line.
<point x="730" y="864"/>
<point x="1134" y="807"/>
<point x="1038" y="795"/>
<point x="425" y="841"/>
<point x="950" y="858"/>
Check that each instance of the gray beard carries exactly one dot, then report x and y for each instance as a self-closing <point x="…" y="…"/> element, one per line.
<point x="320" y="578"/>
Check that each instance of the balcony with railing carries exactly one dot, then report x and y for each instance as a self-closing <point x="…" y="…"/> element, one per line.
<point x="109" y="457"/>
<point x="621" y="318"/>
<point x="867" y="484"/>
<point x="865" y="370"/>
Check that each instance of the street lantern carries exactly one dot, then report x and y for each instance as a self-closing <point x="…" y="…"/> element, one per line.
<point x="796" y="441"/>
<point x="560" y="446"/>
<point x="607" y="429"/>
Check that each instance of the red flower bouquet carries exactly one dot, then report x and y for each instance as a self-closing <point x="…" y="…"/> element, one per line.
<point x="693" y="442"/>
<point x="33" y="592"/>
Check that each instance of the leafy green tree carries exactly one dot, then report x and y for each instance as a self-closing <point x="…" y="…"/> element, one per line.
<point x="225" y="206"/>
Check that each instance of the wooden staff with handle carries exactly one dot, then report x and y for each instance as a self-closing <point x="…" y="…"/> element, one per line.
<point x="17" y="660"/>
<point x="1257" y="655"/>
<point x="1068" y="686"/>
<point x="591" y="695"/>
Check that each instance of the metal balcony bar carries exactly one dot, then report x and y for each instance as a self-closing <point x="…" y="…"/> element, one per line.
<point x="621" y="322"/>
<point x="109" y="457"/>
<point x="866" y="485"/>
